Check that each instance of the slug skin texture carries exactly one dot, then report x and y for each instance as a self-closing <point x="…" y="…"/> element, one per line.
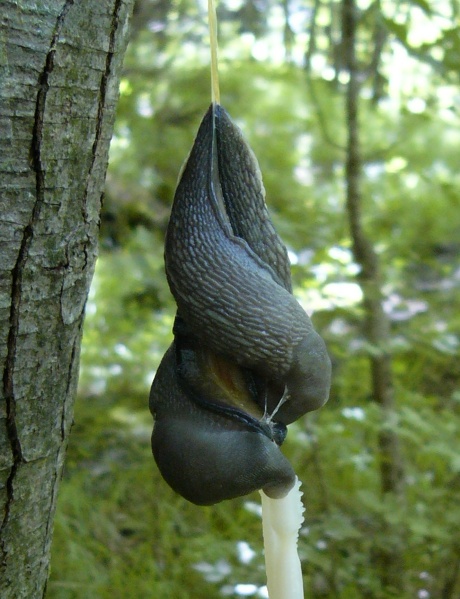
<point x="243" y="346"/>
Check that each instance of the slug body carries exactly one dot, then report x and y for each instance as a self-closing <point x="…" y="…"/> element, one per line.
<point x="244" y="349"/>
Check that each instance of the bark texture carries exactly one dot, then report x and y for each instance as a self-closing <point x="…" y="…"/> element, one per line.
<point x="60" y="62"/>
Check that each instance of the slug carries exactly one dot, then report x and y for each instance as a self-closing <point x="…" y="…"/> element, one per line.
<point x="246" y="360"/>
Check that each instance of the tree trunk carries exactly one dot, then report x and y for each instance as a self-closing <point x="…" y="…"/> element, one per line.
<point x="60" y="62"/>
<point x="376" y="326"/>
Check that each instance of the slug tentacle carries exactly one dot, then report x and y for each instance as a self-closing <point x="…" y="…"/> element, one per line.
<point x="245" y="360"/>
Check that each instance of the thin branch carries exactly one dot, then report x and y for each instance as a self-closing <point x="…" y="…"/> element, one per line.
<point x="288" y="33"/>
<point x="312" y="36"/>
<point x="320" y="115"/>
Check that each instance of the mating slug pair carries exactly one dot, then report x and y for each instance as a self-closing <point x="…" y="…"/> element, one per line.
<point x="245" y="360"/>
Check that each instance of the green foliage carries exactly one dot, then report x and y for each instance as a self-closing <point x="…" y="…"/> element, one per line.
<point x="120" y="531"/>
<point x="125" y="533"/>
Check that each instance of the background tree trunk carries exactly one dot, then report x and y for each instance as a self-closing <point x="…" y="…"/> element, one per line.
<point x="376" y="324"/>
<point x="60" y="64"/>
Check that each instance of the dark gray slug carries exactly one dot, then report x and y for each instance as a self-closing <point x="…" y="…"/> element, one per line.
<point x="245" y="360"/>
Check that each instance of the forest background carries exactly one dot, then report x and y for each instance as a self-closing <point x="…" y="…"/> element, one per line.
<point x="355" y="124"/>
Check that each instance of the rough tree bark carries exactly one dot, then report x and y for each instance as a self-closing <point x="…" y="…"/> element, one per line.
<point x="376" y="326"/>
<point x="60" y="63"/>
